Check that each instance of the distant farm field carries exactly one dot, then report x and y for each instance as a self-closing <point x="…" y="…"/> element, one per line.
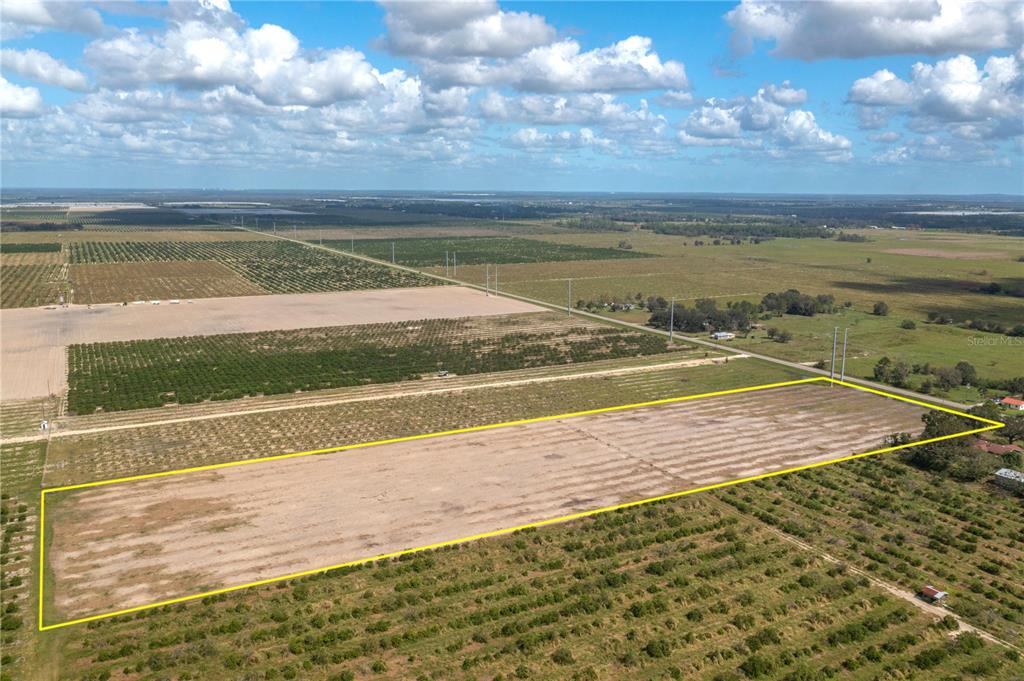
<point x="862" y="273"/>
<point x="126" y="282"/>
<point x="275" y="266"/>
<point x="150" y="373"/>
<point x="431" y="252"/>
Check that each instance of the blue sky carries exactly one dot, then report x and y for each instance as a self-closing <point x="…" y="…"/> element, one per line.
<point x="829" y="97"/>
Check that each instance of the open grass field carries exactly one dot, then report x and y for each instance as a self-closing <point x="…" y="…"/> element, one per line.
<point x="912" y="285"/>
<point x="149" y="373"/>
<point x="430" y="252"/>
<point x="135" y="543"/>
<point x="126" y="282"/>
<point x="684" y="589"/>
<point x="873" y="337"/>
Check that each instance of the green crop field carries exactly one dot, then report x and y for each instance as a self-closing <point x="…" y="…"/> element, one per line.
<point x="22" y="466"/>
<point x="373" y="413"/>
<point x="30" y="285"/>
<point x="150" y="373"/>
<point x="29" y="247"/>
<point x="275" y="266"/>
<point x="909" y="528"/>
<point x="430" y="252"/>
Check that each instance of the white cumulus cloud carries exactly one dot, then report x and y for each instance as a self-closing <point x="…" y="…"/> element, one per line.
<point x="470" y="28"/>
<point x="972" y="101"/>
<point x="41" y="67"/>
<point x="627" y="65"/>
<point x="850" y="29"/>
<point x="19" y="102"/>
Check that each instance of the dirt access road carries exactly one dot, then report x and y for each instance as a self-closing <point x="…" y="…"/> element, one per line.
<point x="34" y="340"/>
<point x="135" y="543"/>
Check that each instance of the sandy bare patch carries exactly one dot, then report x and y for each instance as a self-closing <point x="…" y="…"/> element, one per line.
<point x="33" y="341"/>
<point x="948" y="255"/>
<point x="134" y="543"/>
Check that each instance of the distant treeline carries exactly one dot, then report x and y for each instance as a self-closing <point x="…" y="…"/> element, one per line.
<point x="739" y="230"/>
<point x="40" y="227"/>
<point x="737" y="315"/>
<point x="29" y="248"/>
<point x="594" y="223"/>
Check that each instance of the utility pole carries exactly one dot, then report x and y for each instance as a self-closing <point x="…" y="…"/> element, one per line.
<point x="275" y="226"/>
<point x="446" y="264"/>
<point x="455" y="264"/>
<point x="352" y="245"/>
<point x="495" y="278"/>
<point x="321" y="236"/>
<point x="671" y="320"/>
<point x="568" y="302"/>
<point x="487" y="280"/>
<point x="842" y="372"/>
<point x="832" y="366"/>
<point x="392" y="252"/>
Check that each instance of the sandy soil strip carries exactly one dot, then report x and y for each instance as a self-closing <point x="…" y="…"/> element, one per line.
<point x="135" y="543"/>
<point x="32" y="340"/>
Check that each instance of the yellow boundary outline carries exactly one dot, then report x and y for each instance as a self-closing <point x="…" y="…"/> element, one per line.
<point x="990" y="425"/>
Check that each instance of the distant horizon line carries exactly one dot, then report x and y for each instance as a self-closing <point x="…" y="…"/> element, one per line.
<point x="505" y="192"/>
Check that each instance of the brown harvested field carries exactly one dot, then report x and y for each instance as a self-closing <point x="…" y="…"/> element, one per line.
<point x="135" y="543"/>
<point x="33" y="342"/>
<point x="129" y="281"/>
<point x="948" y="255"/>
<point x="14" y="259"/>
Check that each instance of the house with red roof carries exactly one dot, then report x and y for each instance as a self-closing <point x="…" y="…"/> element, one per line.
<point x="1012" y="403"/>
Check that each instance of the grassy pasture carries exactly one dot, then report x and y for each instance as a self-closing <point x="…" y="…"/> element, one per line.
<point x="872" y="337"/>
<point x="430" y="252"/>
<point x="912" y="285"/>
<point x="150" y="373"/>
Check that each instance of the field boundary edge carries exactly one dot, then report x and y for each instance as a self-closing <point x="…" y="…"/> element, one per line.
<point x="989" y="425"/>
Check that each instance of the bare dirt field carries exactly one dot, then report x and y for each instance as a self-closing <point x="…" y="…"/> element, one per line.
<point x="139" y="542"/>
<point x="129" y="281"/>
<point x="34" y="341"/>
